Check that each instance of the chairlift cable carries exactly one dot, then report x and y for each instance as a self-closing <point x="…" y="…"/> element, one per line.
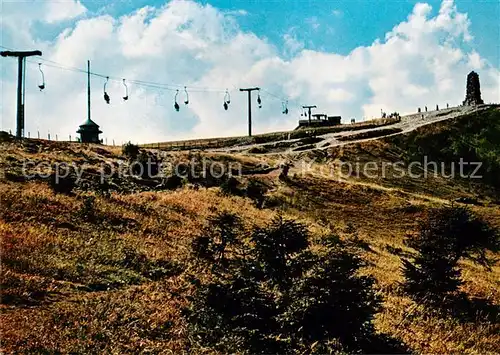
<point x="163" y="86"/>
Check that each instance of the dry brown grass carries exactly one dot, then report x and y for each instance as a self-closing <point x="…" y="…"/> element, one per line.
<point x="432" y="334"/>
<point x="74" y="283"/>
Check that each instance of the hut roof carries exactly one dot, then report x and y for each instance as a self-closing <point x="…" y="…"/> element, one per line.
<point x="89" y="126"/>
<point x="89" y="123"/>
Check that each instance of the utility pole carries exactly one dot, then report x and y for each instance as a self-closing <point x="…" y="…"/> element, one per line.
<point x="21" y="57"/>
<point x="88" y="89"/>
<point x="249" y="90"/>
<point x="309" y="107"/>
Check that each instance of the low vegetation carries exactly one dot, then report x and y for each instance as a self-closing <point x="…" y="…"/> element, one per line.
<point x="270" y="293"/>
<point x="445" y="237"/>
<point x="473" y="138"/>
<point x="263" y="262"/>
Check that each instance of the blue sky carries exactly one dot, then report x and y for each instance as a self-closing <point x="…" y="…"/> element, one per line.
<point x="352" y="58"/>
<point x="343" y="24"/>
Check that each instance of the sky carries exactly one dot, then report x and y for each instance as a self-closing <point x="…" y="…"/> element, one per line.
<point x="353" y="58"/>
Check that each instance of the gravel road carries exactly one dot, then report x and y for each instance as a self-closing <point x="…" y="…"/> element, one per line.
<point x="408" y="123"/>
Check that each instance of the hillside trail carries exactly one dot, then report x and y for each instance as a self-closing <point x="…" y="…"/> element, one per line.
<point x="407" y="124"/>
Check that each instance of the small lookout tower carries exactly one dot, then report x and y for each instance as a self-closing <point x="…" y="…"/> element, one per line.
<point x="89" y="132"/>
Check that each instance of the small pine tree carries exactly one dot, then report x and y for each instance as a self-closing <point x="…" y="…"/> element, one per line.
<point x="331" y="307"/>
<point x="447" y="235"/>
<point x="222" y="230"/>
<point x="255" y="191"/>
<point x="277" y="247"/>
<point x="280" y="297"/>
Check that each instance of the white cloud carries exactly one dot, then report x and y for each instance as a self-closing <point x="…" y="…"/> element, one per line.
<point x="339" y="95"/>
<point x="421" y="61"/>
<point x="63" y="10"/>
<point x="475" y="61"/>
<point x="239" y="12"/>
<point x="292" y="45"/>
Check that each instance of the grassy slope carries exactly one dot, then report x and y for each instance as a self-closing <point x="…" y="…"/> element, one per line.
<point x="116" y="279"/>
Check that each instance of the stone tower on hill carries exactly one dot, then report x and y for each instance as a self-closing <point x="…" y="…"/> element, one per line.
<point x="473" y="94"/>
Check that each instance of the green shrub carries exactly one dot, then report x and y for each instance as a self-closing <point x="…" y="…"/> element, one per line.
<point x="146" y="165"/>
<point x="447" y="235"/>
<point x="88" y="211"/>
<point x="255" y="191"/>
<point x="230" y="186"/>
<point x="222" y="230"/>
<point x="331" y="304"/>
<point x="277" y="248"/>
<point x="275" y="296"/>
<point x="60" y="183"/>
<point x="130" y="150"/>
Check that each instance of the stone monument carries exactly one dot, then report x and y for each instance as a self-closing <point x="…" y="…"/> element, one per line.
<point x="473" y="94"/>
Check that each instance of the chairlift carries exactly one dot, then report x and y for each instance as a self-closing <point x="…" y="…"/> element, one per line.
<point x="176" y="105"/>
<point x="227" y="100"/>
<point x="259" y="101"/>
<point x="285" y="107"/>
<point x="106" y="96"/>
<point x="186" y="101"/>
<point x="125" y="98"/>
<point x="42" y="85"/>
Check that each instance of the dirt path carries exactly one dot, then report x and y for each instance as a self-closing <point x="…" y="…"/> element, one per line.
<point x="408" y="123"/>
